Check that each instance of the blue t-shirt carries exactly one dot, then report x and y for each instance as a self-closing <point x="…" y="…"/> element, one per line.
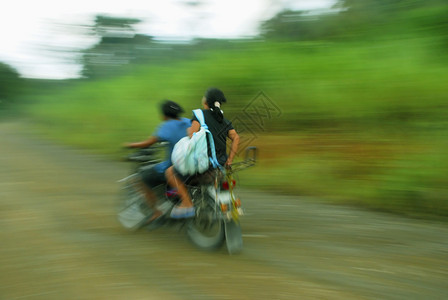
<point x="170" y="131"/>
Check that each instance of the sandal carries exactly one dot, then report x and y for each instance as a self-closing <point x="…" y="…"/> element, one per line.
<point x="182" y="212"/>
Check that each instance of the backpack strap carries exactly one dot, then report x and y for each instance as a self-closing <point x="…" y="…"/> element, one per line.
<point x="200" y="116"/>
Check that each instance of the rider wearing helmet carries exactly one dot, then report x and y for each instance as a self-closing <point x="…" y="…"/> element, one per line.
<point x="171" y="130"/>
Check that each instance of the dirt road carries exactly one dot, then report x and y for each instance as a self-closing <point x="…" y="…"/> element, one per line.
<point x="59" y="239"/>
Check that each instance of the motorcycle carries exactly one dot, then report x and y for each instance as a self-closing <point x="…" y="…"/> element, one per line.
<point x="218" y="209"/>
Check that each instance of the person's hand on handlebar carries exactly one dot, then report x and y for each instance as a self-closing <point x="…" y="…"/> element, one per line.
<point x="229" y="162"/>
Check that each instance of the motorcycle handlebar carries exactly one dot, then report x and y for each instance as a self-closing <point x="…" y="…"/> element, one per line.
<point x="250" y="158"/>
<point x="146" y="155"/>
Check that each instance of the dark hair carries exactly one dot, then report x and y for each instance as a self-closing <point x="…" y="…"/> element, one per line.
<point x="213" y="95"/>
<point x="171" y="109"/>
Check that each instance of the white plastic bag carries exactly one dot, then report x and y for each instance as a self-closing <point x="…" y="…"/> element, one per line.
<point x="190" y="156"/>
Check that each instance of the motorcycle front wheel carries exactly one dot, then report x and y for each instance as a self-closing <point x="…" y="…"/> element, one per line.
<point x="132" y="209"/>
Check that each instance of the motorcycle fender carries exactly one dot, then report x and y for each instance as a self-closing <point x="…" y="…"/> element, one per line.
<point x="234" y="238"/>
<point x="224" y="197"/>
<point x="221" y="197"/>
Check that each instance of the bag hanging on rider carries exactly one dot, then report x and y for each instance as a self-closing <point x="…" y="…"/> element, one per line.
<point x="190" y="155"/>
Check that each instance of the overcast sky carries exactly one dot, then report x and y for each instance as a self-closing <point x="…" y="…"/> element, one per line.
<point x="34" y="34"/>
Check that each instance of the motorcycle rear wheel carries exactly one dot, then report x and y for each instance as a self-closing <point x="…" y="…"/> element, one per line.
<point x="206" y="235"/>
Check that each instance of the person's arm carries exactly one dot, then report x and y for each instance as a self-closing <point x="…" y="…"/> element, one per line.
<point x="150" y="141"/>
<point x="195" y="126"/>
<point x="234" y="147"/>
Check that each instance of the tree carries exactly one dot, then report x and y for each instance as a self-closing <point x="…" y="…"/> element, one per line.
<point x="355" y="18"/>
<point x="10" y="84"/>
<point x="114" y="27"/>
<point x="118" y="46"/>
<point x="419" y="15"/>
<point x="300" y="25"/>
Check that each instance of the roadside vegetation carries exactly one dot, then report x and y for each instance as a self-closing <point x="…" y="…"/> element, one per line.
<point x="358" y="103"/>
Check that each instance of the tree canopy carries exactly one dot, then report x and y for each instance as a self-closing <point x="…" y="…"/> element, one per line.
<point x="355" y="17"/>
<point x="10" y="84"/>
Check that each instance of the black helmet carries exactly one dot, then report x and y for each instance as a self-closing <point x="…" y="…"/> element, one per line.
<point x="171" y="109"/>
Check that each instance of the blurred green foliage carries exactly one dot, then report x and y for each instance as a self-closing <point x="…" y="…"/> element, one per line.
<point x="366" y="19"/>
<point x="10" y="87"/>
<point x="362" y="95"/>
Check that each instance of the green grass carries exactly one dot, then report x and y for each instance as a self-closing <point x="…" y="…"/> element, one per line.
<point x="399" y="174"/>
<point x="361" y="122"/>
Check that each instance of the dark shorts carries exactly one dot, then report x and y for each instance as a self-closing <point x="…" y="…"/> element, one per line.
<point x="207" y="177"/>
<point x="152" y="178"/>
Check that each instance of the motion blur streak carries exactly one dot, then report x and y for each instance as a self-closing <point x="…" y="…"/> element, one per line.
<point x="347" y="106"/>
